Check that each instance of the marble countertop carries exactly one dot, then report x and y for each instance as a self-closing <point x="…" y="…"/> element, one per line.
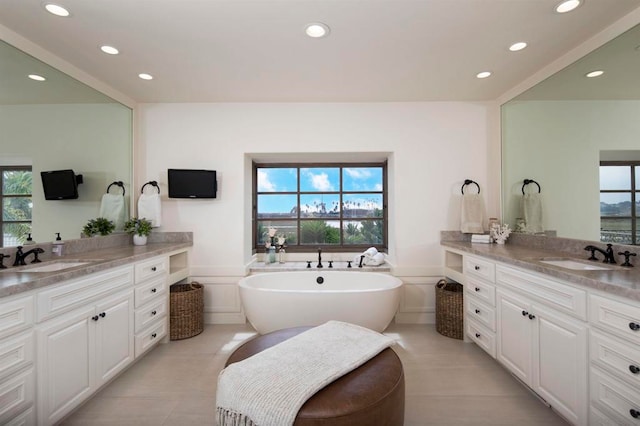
<point x="619" y="280"/>
<point x="16" y="280"/>
<point x="302" y="266"/>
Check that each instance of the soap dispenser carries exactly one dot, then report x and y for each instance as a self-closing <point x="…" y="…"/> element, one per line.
<point x="29" y="241"/>
<point x="58" y="246"/>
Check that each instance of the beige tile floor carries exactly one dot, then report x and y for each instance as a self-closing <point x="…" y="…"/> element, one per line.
<point x="448" y="382"/>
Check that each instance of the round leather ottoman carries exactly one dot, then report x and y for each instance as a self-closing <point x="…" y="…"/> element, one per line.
<point x="372" y="394"/>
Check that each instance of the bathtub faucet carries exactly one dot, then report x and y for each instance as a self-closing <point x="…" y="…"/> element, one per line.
<point x="361" y="259"/>
<point x="319" y="258"/>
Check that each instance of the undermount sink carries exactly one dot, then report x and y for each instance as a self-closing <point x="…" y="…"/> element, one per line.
<point x="52" y="266"/>
<point x="575" y="265"/>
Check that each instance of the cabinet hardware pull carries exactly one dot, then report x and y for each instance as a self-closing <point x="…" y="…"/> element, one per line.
<point x="153" y="290"/>
<point x="634" y="326"/>
<point x="477" y="311"/>
<point x="477" y="289"/>
<point x="478" y="335"/>
<point x="153" y="336"/>
<point x="153" y="268"/>
<point x="153" y="312"/>
<point x="634" y="413"/>
<point x="477" y="268"/>
<point x="525" y="313"/>
<point x="103" y="314"/>
<point x="95" y="318"/>
<point x="634" y="369"/>
<point x="531" y="316"/>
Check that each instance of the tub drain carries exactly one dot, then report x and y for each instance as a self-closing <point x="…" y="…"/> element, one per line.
<point x="319" y="280"/>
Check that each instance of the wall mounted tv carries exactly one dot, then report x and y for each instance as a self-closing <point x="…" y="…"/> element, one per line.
<point x="60" y="184"/>
<point x="192" y="183"/>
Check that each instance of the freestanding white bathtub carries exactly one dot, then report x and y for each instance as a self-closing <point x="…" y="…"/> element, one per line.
<point x="277" y="300"/>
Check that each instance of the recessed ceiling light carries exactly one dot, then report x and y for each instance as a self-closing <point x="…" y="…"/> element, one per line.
<point x="109" y="50"/>
<point x="56" y="9"/>
<point x="317" y="30"/>
<point x="145" y="76"/>
<point x="567" y="6"/>
<point x="483" y="74"/>
<point x="597" y="73"/>
<point x="517" y="46"/>
<point x="36" y="77"/>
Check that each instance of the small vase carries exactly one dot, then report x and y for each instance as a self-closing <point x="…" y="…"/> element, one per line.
<point x="500" y="241"/>
<point x="139" y="240"/>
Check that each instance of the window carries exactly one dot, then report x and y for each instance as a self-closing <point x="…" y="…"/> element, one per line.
<point x="15" y="195"/>
<point x="334" y="206"/>
<point x="619" y="202"/>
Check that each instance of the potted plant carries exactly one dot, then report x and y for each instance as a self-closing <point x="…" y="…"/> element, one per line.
<point x="98" y="226"/>
<point x="140" y="228"/>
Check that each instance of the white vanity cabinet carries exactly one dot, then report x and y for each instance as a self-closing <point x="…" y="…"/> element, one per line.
<point x="479" y="303"/>
<point x="17" y="354"/>
<point x="151" y="302"/>
<point x="81" y="349"/>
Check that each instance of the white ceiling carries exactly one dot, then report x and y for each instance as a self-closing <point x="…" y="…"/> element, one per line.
<point x="256" y="50"/>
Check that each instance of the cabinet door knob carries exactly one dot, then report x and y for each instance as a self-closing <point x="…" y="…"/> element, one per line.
<point x="477" y="311"/>
<point x="153" y="268"/>
<point x="525" y="313"/>
<point x="103" y="314"/>
<point x="95" y="318"/>
<point x="478" y="335"/>
<point x="634" y="326"/>
<point x="634" y="413"/>
<point x="531" y="316"/>
<point x="153" y="336"/>
<point x="477" y="289"/>
<point x="477" y="268"/>
<point x="634" y="369"/>
<point x="153" y="312"/>
<point x="153" y="290"/>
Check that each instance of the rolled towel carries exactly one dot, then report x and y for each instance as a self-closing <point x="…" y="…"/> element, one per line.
<point x="376" y="260"/>
<point x="532" y="212"/>
<point x="472" y="214"/>
<point x="113" y="207"/>
<point x="150" y="208"/>
<point x="371" y="251"/>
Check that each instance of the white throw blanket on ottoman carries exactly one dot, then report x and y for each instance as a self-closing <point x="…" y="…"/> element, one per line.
<point x="268" y="388"/>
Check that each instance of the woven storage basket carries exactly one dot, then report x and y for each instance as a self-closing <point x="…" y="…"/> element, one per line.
<point x="186" y="310"/>
<point x="449" y="309"/>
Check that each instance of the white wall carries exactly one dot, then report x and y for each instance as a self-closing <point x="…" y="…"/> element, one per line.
<point x="432" y="148"/>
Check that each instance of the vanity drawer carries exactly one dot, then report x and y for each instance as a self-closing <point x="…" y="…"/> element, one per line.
<point x="619" y="318"/>
<point x="149" y="337"/>
<point x="482" y="336"/>
<point x="480" y="268"/>
<point x="16" y="395"/>
<point x="611" y="395"/>
<point x="555" y="294"/>
<point x="81" y="292"/>
<point x="16" y="315"/>
<point x="147" y="315"/>
<point x="154" y="289"/>
<point x="481" y="313"/>
<point x="481" y="290"/>
<point x="16" y="352"/>
<point x="617" y="357"/>
<point x="155" y="267"/>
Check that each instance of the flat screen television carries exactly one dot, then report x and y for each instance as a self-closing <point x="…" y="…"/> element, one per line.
<point x="192" y="183"/>
<point x="60" y="184"/>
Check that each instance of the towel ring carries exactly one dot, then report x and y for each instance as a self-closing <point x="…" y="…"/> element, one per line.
<point x="118" y="183"/>
<point x="469" y="182"/>
<point x="527" y="182"/>
<point x="152" y="183"/>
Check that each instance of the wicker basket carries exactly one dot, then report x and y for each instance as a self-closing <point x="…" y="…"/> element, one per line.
<point x="449" y="309"/>
<point x="186" y="310"/>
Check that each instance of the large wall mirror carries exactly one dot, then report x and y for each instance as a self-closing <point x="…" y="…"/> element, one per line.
<point x="58" y="123"/>
<point x="560" y="131"/>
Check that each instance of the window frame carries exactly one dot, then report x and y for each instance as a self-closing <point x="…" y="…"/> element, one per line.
<point x="298" y="248"/>
<point x="3" y="196"/>
<point x="635" y="196"/>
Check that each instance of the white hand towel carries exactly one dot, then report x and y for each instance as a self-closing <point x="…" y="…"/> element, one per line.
<point x="113" y="208"/>
<point x="532" y="212"/>
<point x="150" y="208"/>
<point x="375" y="260"/>
<point x="371" y="251"/>
<point x="472" y="215"/>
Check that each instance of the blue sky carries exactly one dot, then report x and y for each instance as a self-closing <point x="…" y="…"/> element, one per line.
<point x="319" y="180"/>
